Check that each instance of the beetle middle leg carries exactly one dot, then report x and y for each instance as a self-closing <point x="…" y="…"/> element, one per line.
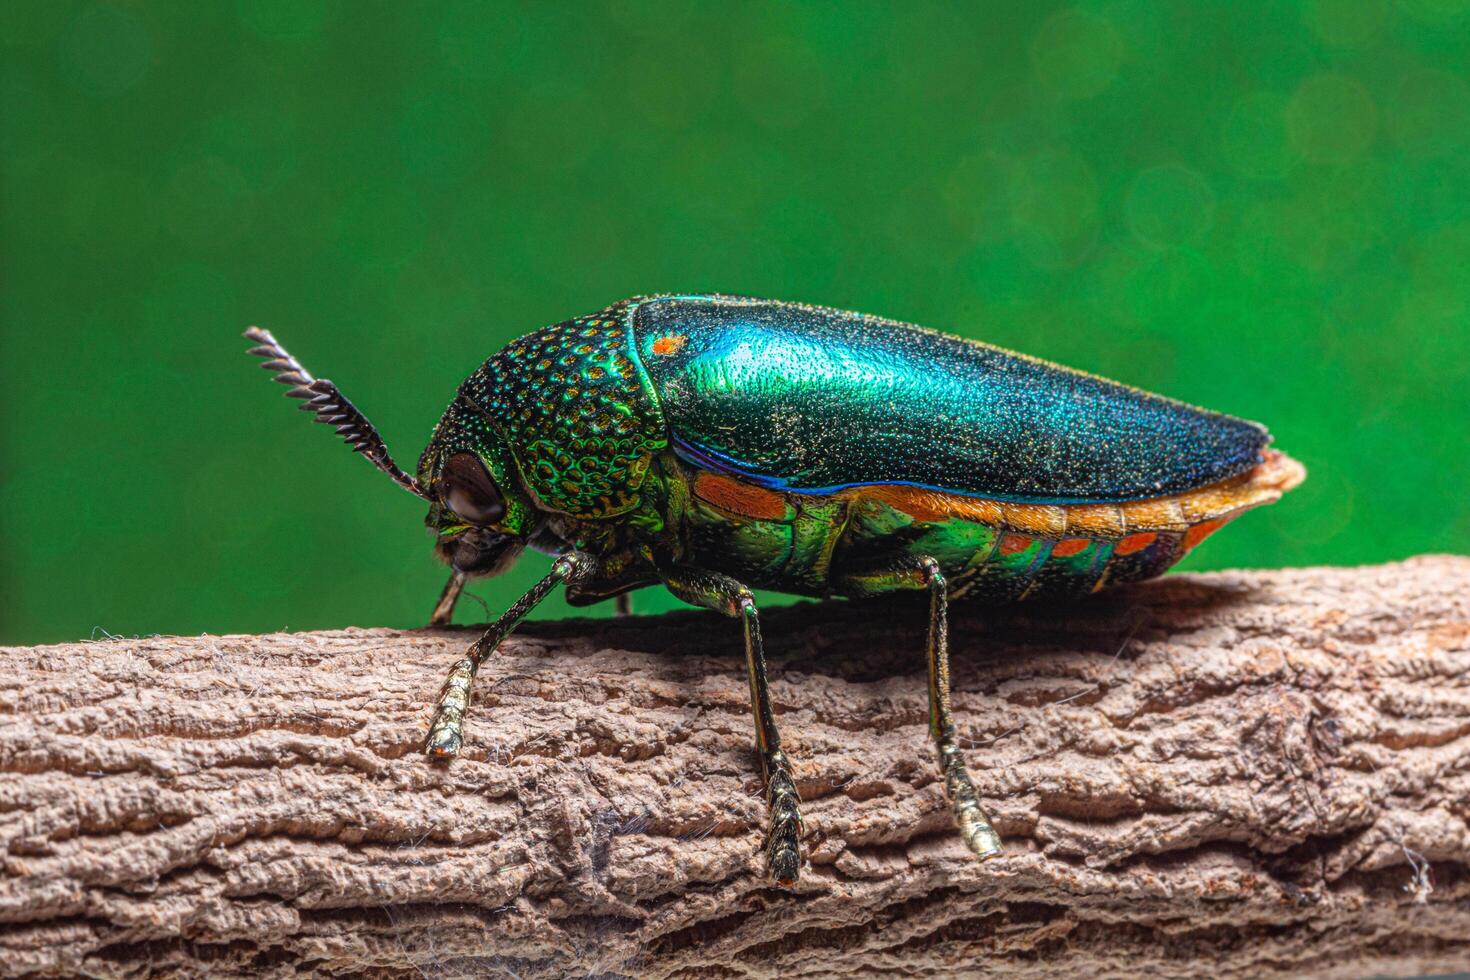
<point x="726" y="595"/>
<point x="924" y="572"/>
<point x="446" y="732"/>
<point x="444" y="608"/>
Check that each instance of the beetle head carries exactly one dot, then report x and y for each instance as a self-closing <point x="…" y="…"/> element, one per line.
<point x="477" y="507"/>
<point x="478" y="510"/>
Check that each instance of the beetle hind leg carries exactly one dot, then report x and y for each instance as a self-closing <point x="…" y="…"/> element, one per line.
<point x="924" y="572"/>
<point x="783" y="852"/>
<point x="974" y="826"/>
<point x="724" y="594"/>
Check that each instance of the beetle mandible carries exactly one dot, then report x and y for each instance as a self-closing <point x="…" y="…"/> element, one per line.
<point x="716" y="444"/>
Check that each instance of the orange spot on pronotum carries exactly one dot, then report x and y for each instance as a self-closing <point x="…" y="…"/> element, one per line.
<point x="669" y="344"/>
<point x="1201" y="531"/>
<point x="1014" y="543"/>
<point x="1135" y="542"/>
<point x="1068" y="547"/>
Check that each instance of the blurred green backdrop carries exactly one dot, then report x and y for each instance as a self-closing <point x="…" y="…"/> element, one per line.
<point x="1260" y="207"/>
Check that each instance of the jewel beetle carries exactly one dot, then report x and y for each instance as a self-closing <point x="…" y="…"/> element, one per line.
<point x="717" y="444"/>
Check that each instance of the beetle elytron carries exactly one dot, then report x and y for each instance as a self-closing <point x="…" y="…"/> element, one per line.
<point x="716" y="444"/>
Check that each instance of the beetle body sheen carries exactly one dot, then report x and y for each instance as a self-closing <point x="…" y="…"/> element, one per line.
<point x="812" y="451"/>
<point x="714" y="444"/>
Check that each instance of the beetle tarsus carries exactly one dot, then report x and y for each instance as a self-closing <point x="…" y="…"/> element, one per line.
<point x="783" y="851"/>
<point x="980" y="837"/>
<point x="446" y="734"/>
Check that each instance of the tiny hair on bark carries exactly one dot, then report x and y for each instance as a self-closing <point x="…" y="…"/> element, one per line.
<point x="1242" y="773"/>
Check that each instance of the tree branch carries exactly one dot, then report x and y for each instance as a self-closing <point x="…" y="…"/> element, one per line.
<point x="1264" y="772"/>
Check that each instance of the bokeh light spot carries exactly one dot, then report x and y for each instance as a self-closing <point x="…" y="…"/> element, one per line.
<point x="1161" y="287"/>
<point x="1331" y="118"/>
<point x="1439" y="259"/>
<point x="207" y="203"/>
<point x="1054" y="208"/>
<point x="106" y="50"/>
<point x="1436" y="11"/>
<point x="1331" y="221"/>
<point x="975" y="196"/>
<point x="1075" y="54"/>
<point x="1347" y="23"/>
<point x="286" y="20"/>
<point x="680" y="106"/>
<point x="1253" y="137"/>
<point x="1170" y="205"/>
<point x="779" y="81"/>
<point x="481" y="41"/>
<point x="1430" y="113"/>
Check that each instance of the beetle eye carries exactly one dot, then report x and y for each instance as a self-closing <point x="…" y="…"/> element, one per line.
<point x="468" y="490"/>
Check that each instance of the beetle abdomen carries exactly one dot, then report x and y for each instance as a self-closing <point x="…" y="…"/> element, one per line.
<point x="994" y="550"/>
<point x="810" y="400"/>
<point x="1048" y="550"/>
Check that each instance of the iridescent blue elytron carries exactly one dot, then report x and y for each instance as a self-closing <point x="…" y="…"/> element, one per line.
<point x="815" y="401"/>
<point x="715" y="444"/>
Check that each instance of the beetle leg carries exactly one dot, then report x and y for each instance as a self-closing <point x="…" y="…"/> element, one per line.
<point x="446" y="732"/>
<point x="923" y="572"/>
<point x="623" y="605"/>
<point x="444" y="608"/>
<point x="979" y="835"/>
<point x="724" y="594"/>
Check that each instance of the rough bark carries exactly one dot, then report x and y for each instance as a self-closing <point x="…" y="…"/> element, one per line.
<point x="1244" y="773"/>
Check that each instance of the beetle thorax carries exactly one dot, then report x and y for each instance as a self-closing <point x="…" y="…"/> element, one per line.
<point x="577" y="411"/>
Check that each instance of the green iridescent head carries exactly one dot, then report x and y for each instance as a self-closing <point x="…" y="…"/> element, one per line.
<point x="563" y="421"/>
<point x="478" y="507"/>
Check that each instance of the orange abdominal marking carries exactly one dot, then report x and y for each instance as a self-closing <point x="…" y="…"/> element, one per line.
<point x="1013" y="543"/>
<point x="930" y="506"/>
<point x="1199" y="532"/>
<point x="1134" y="542"/>
<point x="739" y="498"/>
<point x="670" y="344"/>
<point x="1070" y="546"/>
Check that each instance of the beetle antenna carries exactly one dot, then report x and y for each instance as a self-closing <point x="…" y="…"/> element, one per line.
<point x="330" y="406"/>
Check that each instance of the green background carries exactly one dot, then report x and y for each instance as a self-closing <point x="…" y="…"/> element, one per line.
<point x="1259" y="207"/>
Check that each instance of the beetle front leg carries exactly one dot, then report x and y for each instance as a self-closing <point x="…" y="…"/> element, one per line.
<point x="724" y="594"/>
<point x="924" y="572"/>
<point x="446" y="732"/>
<point x="444" y="608"/>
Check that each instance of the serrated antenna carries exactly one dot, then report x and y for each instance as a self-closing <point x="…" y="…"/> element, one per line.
<point x="330" y="406"/>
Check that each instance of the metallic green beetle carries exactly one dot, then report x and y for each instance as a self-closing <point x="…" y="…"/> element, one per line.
<point x="716" y="444"/>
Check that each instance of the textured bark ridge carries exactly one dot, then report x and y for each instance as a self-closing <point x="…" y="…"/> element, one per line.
<point x="1240" y="773"/>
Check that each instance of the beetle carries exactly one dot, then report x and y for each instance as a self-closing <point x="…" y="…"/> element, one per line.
<point x="715" y="444"/>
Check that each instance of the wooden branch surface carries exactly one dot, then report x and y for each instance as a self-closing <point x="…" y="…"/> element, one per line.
<point x="1241" y="773"/>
